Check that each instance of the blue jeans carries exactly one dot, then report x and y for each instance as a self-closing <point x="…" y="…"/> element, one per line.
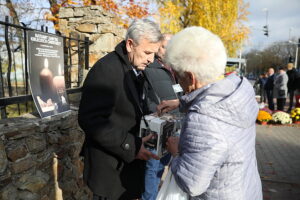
<point x="153" y="173"/>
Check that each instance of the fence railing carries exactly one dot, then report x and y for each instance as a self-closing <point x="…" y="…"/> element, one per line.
<point x="14" y="79"/>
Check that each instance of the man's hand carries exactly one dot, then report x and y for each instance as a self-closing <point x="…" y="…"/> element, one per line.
<point x="172" y="145"/>
<point x="143" y="153"/>
<point x="166" y="106"/>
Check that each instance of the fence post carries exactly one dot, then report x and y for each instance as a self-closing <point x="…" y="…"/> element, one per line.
<point x="86" y="53"/>
<point x="66" y="62"/>
<point x="80" y="61"/>
<point x="2" y="108"/>
<point x="9" y="58"/>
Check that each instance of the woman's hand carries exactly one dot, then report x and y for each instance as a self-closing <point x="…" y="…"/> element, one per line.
<point x="166" y="106"/>
<point x="172" y="145"/>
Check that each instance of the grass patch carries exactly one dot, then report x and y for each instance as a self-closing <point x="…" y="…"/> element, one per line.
<point x="15" y="110"/>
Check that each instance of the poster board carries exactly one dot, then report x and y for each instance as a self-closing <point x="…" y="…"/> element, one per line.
<point x="46" y="73"/>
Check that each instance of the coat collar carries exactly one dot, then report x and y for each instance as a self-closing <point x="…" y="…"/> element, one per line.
<point x="129" y="74"/>
<point x="122" y="53"/>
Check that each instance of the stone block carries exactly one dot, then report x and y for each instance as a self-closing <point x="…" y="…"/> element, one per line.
<point x="69" y="122"/>
<point x="105" y="43"/>
<point x="53" y="137"/>
<point x="26" y="195"/>
<point x="16" y="151"/>
<point x="36" y="143"/>
<point x="33" y="182"/>
<point x="87" y="28"/>
<point x="44" y="128"/>
<point x="44" y="159"/>
<point x="9" y="193"/>
<point x="22" y="132"/>
<point x="71" y="136"/>
<point x="95" y="7"/>
<point x="74" y="149"/>
<point x="69" y="187"/>
<point x="3" y="158"/>
<point x="22" y="165"/>
<point x="97" y="20"/>
<point x="66" y="12"/>
<point x="5" y="179"/>
<point x="79" y="12"/>
<point x="45" y="197"/>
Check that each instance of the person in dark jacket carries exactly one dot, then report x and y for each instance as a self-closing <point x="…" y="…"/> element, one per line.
<point x="110" y="111"/>
<point x="269" y="88"/>
<point x="261" y="83"/>
<point x="162" y="80"/>
<point x="161" y="77"/>
<point x="292" y="83"/>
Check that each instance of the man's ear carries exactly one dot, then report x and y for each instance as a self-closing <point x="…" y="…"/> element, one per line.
<point x="129" y="45"/>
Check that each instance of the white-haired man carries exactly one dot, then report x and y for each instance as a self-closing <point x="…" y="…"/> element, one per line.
<point x="215" y="158"/>
<point x="111" y="107"/>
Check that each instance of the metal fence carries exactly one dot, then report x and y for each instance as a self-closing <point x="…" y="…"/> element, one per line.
<point x="14" y="83"/>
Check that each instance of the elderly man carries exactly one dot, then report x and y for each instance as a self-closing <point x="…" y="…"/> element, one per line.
<point x="216" y="155"/>
<point x="112" y="105"/>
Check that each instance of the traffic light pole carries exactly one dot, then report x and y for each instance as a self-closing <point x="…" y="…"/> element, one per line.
<point x="266" y="28"/>
<point x="296" y="57"/>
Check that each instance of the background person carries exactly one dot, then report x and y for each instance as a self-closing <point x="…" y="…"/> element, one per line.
<point x="280" y="88"/>
<point x="261" y="82"/>
<point x="292" y="83"/>
<point x="269" y="86"/>
<point x="216" y="156"/>
<point x="162" y="80"/>
<point x="110" y="111"/>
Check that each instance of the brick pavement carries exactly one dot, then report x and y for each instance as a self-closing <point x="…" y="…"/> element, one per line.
<point x="278" y="157"/>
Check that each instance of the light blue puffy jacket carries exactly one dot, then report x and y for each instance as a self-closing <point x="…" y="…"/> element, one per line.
<point x="217" y="159"/>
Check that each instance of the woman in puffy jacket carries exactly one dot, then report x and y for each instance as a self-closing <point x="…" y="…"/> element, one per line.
<point x="215" y="157"/>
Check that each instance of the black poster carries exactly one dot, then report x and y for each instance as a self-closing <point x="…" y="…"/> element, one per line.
<point x="46" y="73"/>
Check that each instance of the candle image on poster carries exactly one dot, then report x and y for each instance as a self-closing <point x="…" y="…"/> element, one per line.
<point x="46" y="73"/>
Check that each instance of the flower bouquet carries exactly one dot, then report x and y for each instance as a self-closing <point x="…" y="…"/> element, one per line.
<point x="263" y="117"/>
<point x="281" y="118"/>
<point x="295" y="115"/>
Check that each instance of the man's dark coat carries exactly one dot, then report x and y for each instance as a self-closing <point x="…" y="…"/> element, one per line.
<point x="110" y="116"/>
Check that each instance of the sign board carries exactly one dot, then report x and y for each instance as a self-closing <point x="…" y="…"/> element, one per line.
<point x="46" y="73"/>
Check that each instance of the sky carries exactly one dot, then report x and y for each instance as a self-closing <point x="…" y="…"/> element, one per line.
<point x="283" y="22"/>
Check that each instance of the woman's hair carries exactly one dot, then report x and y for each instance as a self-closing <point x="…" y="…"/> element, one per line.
<point x="197" y="50"/>
<point x="144" y="29"/>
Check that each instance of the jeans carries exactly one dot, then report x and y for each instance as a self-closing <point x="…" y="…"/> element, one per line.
<point x="153" y="173"/>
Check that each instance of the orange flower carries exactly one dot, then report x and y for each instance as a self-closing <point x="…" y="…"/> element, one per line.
<point x="263" y="116"/>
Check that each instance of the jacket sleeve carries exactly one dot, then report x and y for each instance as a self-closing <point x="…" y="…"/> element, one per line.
<point x="202" y="151"/>
<point x="99" y="97"/>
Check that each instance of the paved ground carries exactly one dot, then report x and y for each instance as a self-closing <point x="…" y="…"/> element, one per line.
<point x="278" y="156"/>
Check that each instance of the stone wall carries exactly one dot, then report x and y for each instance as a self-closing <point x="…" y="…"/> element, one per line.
<point x="27" y="147"/>
<point x="93" y="22"/>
